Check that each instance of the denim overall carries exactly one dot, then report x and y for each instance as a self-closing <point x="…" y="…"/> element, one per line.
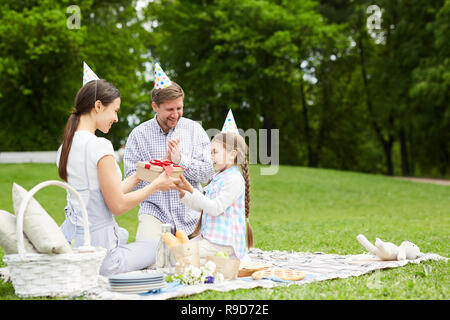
<point x="105" y="232"/>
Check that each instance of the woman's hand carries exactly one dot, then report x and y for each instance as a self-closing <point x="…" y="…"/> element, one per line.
<point x="165" y="182"/>
<point x="184" y="185"/>
<point x="129" y="183"/>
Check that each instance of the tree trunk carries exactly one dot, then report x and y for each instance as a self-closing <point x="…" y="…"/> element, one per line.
<point x="306" y="124"/>
<point x="404" y="153"/>
<point x="268" y="125"/>
<point x="324" y="124"/>
<point x="387" y="144"/>
<point x="411" y="152"/>
<point x="445" y="164"/>
<point x="388" y="154"/>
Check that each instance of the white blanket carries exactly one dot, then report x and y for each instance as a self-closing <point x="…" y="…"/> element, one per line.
<point x="317" y="266"/>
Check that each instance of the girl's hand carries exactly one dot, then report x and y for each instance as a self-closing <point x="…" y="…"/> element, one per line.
<point x="184" y="185"/>
<point x="165" y="182"/>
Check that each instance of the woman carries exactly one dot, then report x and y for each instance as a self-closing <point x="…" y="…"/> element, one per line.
<point x="87" y="163"/>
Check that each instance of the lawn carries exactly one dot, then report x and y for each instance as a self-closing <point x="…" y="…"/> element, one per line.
<point x="305" y="209"/>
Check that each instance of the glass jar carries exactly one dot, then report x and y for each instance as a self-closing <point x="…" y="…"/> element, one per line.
<point x="163" y="253"/>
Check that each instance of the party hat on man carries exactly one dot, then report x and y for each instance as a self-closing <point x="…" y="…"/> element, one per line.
<point x="88" y="74"/>
<point x="229" y="124"/>
<point x="161" y="79"/>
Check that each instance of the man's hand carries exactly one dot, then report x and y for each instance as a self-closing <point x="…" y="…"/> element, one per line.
<point x="173" y="153"/>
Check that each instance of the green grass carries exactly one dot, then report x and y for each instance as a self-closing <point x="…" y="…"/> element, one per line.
<point x="304" y="209"/>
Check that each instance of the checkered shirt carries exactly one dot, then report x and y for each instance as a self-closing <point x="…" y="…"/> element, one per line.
<point x="148" y="141"/>
<point x="229" y="227"/>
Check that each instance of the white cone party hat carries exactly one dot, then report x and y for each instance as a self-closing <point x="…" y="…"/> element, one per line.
<point x="229" y="124"/>
<point x="88" y="74"/>
<point x="161" y="79"/>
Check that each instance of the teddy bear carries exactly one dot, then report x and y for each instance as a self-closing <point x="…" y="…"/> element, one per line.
<point x="389" y="251"/>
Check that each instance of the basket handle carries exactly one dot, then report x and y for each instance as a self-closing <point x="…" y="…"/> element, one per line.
<point x="23" y="205"/>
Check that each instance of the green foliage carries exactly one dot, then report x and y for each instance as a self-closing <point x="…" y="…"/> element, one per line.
<point x="245" y="55"/>
<point x="339" y="96"/>
<point x="41" y="66"/>
<point x="342" y="96"/>
<point x="430" y="91"/>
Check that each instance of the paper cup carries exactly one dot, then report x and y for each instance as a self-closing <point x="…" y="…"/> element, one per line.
<point x="186" y="254"/>
<point x="227" y="266"/>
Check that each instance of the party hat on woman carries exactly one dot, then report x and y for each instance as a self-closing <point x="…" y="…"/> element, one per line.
<point x="88" y="74"/>
<point x="229" y="124"/>
<point x="161" y="79"/>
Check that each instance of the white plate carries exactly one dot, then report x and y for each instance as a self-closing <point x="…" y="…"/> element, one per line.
<point x="138" y="283"/>
<point x="139" y="289"/>
<point x="136" y="280"/>
<point x="137" y="275"/>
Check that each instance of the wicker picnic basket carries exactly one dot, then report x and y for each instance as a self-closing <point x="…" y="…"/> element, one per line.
<point x="67" y="274"/>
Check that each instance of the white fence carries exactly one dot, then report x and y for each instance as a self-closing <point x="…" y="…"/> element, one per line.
<point x="38" y="157"/>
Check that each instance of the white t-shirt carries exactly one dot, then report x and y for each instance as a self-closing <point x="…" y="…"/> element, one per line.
<point x="76" y="172"/>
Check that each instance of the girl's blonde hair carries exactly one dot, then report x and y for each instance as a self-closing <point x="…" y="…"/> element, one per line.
<point x="234" y="141"/>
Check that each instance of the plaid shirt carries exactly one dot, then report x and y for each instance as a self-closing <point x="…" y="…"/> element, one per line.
<point x="148" y="141"/>
<point x="228" y="228"/>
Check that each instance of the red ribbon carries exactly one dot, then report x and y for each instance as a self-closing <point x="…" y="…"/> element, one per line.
<point x="167" y="165"/>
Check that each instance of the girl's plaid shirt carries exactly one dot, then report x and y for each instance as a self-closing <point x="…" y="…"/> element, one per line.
<point x="228" y="228"/>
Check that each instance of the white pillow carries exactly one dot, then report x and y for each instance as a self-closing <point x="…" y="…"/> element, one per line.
<point x="38" y="226"/>
<point x="8" y="237"/>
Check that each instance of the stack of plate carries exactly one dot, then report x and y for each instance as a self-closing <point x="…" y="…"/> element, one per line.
<point x="137" y="282"/>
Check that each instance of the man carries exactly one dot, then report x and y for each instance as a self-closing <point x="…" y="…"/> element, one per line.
<point x="168" y="136"/>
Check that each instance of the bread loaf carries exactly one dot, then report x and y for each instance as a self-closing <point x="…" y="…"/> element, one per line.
<point x="170" y="240"/>
<point x="182" y="236"/>
<point x="285" y="274"/>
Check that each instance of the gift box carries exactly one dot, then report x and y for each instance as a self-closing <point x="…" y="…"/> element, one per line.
<point x="227" y="266"/>
<point x="150" y="170"/>
<point x="185" y="254"/>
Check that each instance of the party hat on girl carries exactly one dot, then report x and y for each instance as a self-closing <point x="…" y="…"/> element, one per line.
<point x="88" y="74"/>
<point x="229" y="124"/>
<point x="161" y="79"/>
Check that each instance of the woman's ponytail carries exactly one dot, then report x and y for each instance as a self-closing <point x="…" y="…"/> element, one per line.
<point x="67" y="139"/>
<point x="85" y="101"/>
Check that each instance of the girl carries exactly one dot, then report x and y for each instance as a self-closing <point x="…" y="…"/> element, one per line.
<point x="87" y="163"/>
<point x="225" y="206"/>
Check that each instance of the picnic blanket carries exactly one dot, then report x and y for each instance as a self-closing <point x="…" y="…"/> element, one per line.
<point x="318" y="266"/>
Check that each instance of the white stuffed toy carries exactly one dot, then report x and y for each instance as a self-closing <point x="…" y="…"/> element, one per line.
<point x="389" y="251"/>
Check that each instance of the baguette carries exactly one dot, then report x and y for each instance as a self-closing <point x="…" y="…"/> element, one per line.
<point x="182" y="236"/>
<point x="170" y="240"/>
<point x="285" y="274"/>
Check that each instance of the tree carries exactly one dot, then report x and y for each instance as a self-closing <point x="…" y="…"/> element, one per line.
<point x="245" y="55"/>
<point x="41" y="66"/>
<point x="430" y="94"/>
